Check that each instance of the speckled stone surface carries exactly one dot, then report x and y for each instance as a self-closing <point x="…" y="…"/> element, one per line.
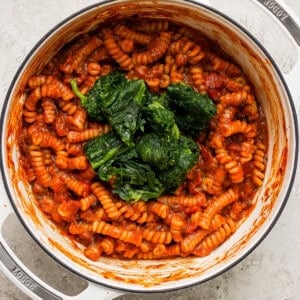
<point x="271" y="271"/>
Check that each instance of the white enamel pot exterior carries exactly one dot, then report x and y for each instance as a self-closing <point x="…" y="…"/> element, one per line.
<point x="109" y="277"/>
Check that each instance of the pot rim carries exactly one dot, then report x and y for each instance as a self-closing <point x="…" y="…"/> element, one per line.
<point x="252" y="247"/>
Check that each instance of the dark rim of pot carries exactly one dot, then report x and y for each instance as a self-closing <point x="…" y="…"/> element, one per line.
<point x="230" y="265"/>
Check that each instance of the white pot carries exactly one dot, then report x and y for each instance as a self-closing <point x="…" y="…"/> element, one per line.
<point x="162" y="275"/>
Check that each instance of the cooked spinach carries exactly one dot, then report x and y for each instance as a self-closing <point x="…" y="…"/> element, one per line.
<point x="192" y="110"/>
<point x="135" y="181"/>
<point x="188" y="156"/>
<point x="117" y="100"/>
<point x="124" y="111"/>
<point x="145" y="155"/>
<point x="89" y="102"/>
<point x="131" y="179"/>
<point x="159" y="151"/>
<point x="104" y="148"/>
<point x="161" y="119"/>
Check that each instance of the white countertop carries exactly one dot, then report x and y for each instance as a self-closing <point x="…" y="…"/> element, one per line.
<point x="271" y="271"/>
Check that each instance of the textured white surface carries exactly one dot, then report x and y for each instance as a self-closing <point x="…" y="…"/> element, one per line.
<point x="272" y="271"/>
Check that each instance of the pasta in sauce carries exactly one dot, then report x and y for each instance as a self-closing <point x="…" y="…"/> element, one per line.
<point x="218" y="191"/>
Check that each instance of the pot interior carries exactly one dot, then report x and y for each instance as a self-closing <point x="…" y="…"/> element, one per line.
<point x="172" y="273"/>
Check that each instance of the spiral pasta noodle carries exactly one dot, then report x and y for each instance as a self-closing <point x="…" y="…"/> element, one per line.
<point x="259" y="166"/>
<point x="116" y="52"/>
<point x="74" y="60"/>
<point x="152" y="26"/>
<point x="215" y="239"/>
<point x="155" y="50"/>
<point x="127" y="33"/>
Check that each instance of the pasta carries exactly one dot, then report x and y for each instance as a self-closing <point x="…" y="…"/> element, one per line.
<point x="155" y="50"/>
<point x="216" y="194"/>
<point x="116" y="52"/>
<point x="127" y="33"/>
<point x="74" y="60"/>
<point x="259" y="164"/>
<point x="215" y="239"/>
<point x="152" y="26"/>
<point x="38" y="165"/>
<point x="106" y="200"/>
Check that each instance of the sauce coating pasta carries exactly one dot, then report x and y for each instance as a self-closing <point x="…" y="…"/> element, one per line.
<point x="218" y="191"/>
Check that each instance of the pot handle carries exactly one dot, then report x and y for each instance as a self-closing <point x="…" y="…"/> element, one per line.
<point x="23" y="278"/>
<point x="291" y="22"/>
<point x="27" y="281"/>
